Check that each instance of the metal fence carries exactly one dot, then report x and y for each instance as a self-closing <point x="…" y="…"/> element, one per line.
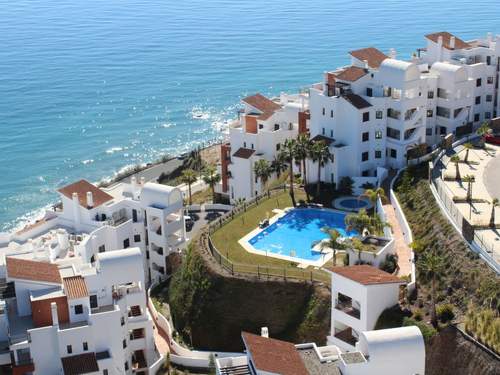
<point x="446" y="196"/>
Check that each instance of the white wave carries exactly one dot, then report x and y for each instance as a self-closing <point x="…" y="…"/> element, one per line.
<point x="88" y="161"/>
<point x="112" y="150"/>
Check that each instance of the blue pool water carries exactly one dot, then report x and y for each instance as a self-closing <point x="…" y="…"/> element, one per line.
<point x="88" y="87"/>
<point x="294" y="234"/>
<point x="354" y="203"/>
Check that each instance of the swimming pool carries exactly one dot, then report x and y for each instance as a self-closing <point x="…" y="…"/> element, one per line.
<point x="351" y="203"/>
<point x="292" y="235"/>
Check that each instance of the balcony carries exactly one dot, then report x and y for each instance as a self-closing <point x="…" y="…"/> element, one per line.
<point x="348" y="309"/>
<point x="346" y="336"/>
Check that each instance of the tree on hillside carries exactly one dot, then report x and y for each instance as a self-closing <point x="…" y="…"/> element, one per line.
<point x="194" y="161"/>
<point x="188" y="177"/>
<point x="456" y="159"/>
<point x="211" y="178"/>
<point x="278" y="165"/>
<point x="262" y="170"/>
<point x="432" y="266"/>
<point x="320" y="153"/>
<point x="287" y="154"/>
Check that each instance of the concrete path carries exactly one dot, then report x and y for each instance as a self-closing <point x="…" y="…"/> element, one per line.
<point x="402" y="249"/>
<point x="161" y="339"/>
<point x="491" y="177"/>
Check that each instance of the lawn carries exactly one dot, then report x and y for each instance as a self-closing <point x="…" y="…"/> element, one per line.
<point x="226" y="238"/>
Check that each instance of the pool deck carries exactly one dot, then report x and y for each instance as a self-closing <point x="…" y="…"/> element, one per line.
<point x="302" y="263"/>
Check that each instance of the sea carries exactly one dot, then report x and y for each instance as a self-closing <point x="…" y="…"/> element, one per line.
<point x="90" y="87"/>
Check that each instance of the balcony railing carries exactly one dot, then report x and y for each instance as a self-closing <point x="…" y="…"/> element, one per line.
<point x="346" y="336"/>
<point x="348" y="309"/>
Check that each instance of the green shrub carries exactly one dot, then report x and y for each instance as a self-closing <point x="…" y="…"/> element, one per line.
<point x="389" y="264"/>
<point x="445" y="312"/>
<point x="418" y="315"/>
<point x="427" y="330"/>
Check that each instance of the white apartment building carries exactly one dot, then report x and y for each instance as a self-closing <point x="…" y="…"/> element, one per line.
<point x="359" y="295"/>
<point x="373" y="114"/>
<point x="92" y="220"/>
<point x="398" y="351"/>
<point x="71" y="317"/>
<point x="262" y="126"/>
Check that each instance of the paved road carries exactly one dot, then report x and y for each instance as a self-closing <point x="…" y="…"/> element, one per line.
<point x="152" y="173"/>
<point x="491" y="177"/>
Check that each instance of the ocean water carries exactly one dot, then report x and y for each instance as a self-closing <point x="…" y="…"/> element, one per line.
<point x="89" y="87"/>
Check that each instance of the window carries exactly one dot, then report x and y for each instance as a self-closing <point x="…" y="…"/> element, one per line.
<point x="443" y="112"/>
<point x="378" y="134"/>
<point x="378" y="154"/>
<point x="365" y="156"/>
<point x="69" y="349"/>
<point x="252" y="146"/>
<point x="85" y="346"/>
<point x="393" y="153"/>
<point x="93" y="301"/>
<point x="392" y="113"/>
<point x="331" y="113"/>
<point x="369" y="91"/>
<point x="476" y="117"/>
<point x="478" y="100"/>
<point x="489" y="98"/>
<point x="393" y="133"/>
<point x="102" y="248"/>
<point x="430" y="94"/>
<point x="126" y="243"/>
<point x="276" y="127"/>
<point x="430" y="113"/>
<point x="323" y="131"/>
<point x="147" y="254"/>
<point x="487" y="115"/>
<point x="442" y="94"/>
<point x="124" y="343"/>
<point x="137" y="238"/>
<point x="366" y="136"/>
<point x="244" y="145"/>
<point x="488" y="60"/>
<point x="78" y="309"/>
<point x="442" y="130"/>
<point x="365" y="173"/>
<point x="122" y="321"/>
<point x="324" y="111"/>
<point x="126" y="365"/>
<point x="278" y="146"/>
<point x="261" y="126"/>
<point x="478" y="82"/>
<point x="331" y="133"/>
<point x="134" y="215"/>
<point x="105" y="372"/>
<point x="428" y="131"/>
<point x="366" y="116"/>
<point x="490" y="80"/>
<point x="379" y="115"/>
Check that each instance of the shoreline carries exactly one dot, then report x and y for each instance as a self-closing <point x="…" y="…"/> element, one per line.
<point x="124" y="174"/>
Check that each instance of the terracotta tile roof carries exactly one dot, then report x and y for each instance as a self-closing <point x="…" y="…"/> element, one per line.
<point x="82" y="187"/>
<point x="25" y="269"/>
<point x="352" y="73"/>
<point x="459" y="43"/>
<point x="366" y="275"/>
<point x="80" y="364"/>
<point x="317" y="138"/>
<point x="75" y="287"/>
<point x="263" y="104"/>
<point x="356" y="101"/>
<point x="373" y="56"/>
<point x="244" y="153"/>
<point x="275" y="356"/>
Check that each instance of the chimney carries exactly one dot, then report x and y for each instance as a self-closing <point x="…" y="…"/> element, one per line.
<point x="133" y="181"/>
<point x="264" y="332"/>
<point x="366" y="64"/>
<point x="440" y="41"/>
<point x="489" y="37"/>
<point x="90" y="199"/>
<point x="76" y="208"/>
<point x="53" y="310"/>
<point x="143" y="180"/>
<point x="452" y="42"/>
<point x="392" y="53"/>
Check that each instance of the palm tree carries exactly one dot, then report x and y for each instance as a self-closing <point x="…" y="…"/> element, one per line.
<point x="278" y="165"/>
<point x="469" y="180"/>
<point x="456" y="159"/>
<point x="494" y="204"/>
<point x="262" y="171"/>
<point x="211" y="178"/>
<point x="320" y="154"/>
<point x="194" y="161"/>
<point x="302" y="151"/>
<point x="358" y="222"/>
<point x="331" y="242"/>
<point x="482" y="131"/>
<point x="287" y="154"/>
<point x="373" y="195"/>
<point x="468" y="146"/>
<point x="431" y="266"/>
<point x="188" y="177"/>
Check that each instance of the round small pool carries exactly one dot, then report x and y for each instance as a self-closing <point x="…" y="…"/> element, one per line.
<point x="352" y="203"/>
